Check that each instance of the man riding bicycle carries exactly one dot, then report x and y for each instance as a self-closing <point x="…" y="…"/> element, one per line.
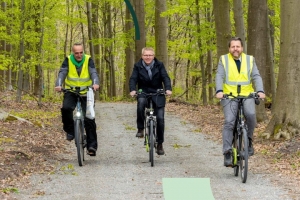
<point x="149" y="74"/>
<point x="237" y="68"/>
<point x="78" y="70"/>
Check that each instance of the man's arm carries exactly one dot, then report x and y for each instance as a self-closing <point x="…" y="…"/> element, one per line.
<point x="93" y="72"/>
<point x="166" y="78"/>
<point x="219" y="80"/>
<point x="133" y="79"/>
<point x="62" y="74"/>
<point x="256" y="78"/>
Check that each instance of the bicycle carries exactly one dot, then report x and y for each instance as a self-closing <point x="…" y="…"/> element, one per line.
<point x="80" y="136"/>
<point x="240" y="141"/>
<point x="150" y="124"/>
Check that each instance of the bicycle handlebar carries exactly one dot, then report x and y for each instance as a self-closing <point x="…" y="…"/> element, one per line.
<point x="252" y="95"/>
<point x="75" y="90"/>
<point x="158" y="92"/>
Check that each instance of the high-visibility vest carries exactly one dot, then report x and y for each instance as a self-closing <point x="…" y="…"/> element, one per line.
<point x="82" y="81"/>
<point x="233" y="78"/>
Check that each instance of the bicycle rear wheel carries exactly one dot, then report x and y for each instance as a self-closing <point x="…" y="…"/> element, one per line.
<point x="243" y="152"/>
<point x="79" y="141"/>
<point x="151" y="140"/>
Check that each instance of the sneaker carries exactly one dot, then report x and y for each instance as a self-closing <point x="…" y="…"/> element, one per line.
<point x="160" y="149"/>
<point x="140" y="133"/>
<point x="250" y="148"/>
<point x="70" y="136"/>
<point x="227" y="159"/>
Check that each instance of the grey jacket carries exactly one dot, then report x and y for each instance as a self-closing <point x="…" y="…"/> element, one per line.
<point x="255" y="77"/>
<point x="64" y="70"/>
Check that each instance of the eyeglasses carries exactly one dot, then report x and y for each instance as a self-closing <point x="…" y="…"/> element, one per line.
<point x="148" y="55"/>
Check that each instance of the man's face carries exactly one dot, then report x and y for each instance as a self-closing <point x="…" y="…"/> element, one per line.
<point x="148" y="56"/>
<point x="78" y="52"/>
<point x="235" y="49"/>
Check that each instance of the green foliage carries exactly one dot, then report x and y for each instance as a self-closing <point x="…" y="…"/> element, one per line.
<point x="177" y="91"/>
<point x="9" y="190"/>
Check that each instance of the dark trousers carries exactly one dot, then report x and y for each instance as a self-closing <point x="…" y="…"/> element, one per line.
<point x="69" y="104"/>
<point x="159" y="112"/>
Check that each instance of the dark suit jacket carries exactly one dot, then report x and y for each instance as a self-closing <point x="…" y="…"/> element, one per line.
<point x="160" y="80"/>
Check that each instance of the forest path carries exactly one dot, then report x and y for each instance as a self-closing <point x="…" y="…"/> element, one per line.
<point x="121" y="169"/>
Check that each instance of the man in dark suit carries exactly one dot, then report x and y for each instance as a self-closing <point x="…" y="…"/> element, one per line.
<point x="149" y="75"/>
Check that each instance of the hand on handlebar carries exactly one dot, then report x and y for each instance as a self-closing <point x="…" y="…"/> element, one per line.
<point x="261" y="95"/>
<point x="58" y="88"/>
<point x="133" y="93"/>
<point x="220" y="95"/>
<point x="95" y="87"/>
<point x="168" y="92"/>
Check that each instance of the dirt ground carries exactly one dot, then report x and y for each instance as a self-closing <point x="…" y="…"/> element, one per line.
<point x="34" y="146"/>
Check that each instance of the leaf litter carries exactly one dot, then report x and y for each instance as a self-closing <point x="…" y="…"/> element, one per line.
<point x="35" y="148"/>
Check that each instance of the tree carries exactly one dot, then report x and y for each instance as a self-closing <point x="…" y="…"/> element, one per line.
<point x="129" y="60"/>
<point x="239" y="21"/>
<point x="223" y="25"/>
<point x="21" y="54"/>
<point x="161" y="27"/>
<point x="258" y="45"/>
<point x="139" y="6"/>
<point x="285" y="121"/>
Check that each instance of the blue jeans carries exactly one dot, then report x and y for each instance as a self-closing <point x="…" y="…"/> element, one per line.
<point x="158" y="112"/>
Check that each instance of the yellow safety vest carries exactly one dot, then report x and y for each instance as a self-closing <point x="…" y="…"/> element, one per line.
<point x="82" y="81"/>
<point x="233" y="78"/>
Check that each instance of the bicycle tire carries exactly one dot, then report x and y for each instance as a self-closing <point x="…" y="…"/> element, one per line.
<point x="243" y="147"/>
<point x="235" y="158"/>
<point x="151" y="139"/>
<point x="79" y="141"/>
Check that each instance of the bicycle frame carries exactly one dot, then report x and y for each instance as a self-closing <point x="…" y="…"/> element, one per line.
<point x="150" y="124"/>
<point x="240" y="138"/>
<point x="80" y="137"/>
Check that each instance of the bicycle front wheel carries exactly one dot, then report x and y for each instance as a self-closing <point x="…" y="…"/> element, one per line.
<point x="151" y="140"/>
<point x="79" y="141"/>
<point x="243" y="151"/>
<point x="235" y="158"/>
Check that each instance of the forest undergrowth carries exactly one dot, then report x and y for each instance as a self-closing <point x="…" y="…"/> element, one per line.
<point x="35" y="145"/>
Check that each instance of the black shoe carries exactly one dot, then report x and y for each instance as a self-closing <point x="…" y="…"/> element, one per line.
<point x="160" y="149"/>
<point x="70" y="136"/>
<point x="227" y="159"/>
<point x="92" y="151"/>
<point x="250" y="148"/>
<point x="140" y="133"/>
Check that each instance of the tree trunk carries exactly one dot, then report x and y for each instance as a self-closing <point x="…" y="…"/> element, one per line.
<point x="199" y="42"/>
<point x="129" y="54"/>
<point x="96" y="47"/>
<point x="223" y="25"/>
<point x="90" y="29"/>
<point x="21" y="54"/>
<point x="239" y="21"/>
<point x="285" y="121"/>
<point x="161" y="28"/>
<point x="140" y="13"/>
<point x="258" y="46"/>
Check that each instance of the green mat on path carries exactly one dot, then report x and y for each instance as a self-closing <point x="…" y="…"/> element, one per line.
<point x="187" y="189"/>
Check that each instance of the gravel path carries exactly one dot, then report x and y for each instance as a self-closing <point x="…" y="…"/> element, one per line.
<point x="121" y="169"/>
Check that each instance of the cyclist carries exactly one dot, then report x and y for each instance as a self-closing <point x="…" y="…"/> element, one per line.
<point x="237" y="68"/>
<point x="78" y="70"/>
<point x="149" y="74"/>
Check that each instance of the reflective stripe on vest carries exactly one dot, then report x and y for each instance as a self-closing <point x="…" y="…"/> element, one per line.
<point x="234" y="78"/>
<point x="82" y="81"/>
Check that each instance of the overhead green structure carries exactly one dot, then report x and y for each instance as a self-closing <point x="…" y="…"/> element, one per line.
<point x="135" y="21"/>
